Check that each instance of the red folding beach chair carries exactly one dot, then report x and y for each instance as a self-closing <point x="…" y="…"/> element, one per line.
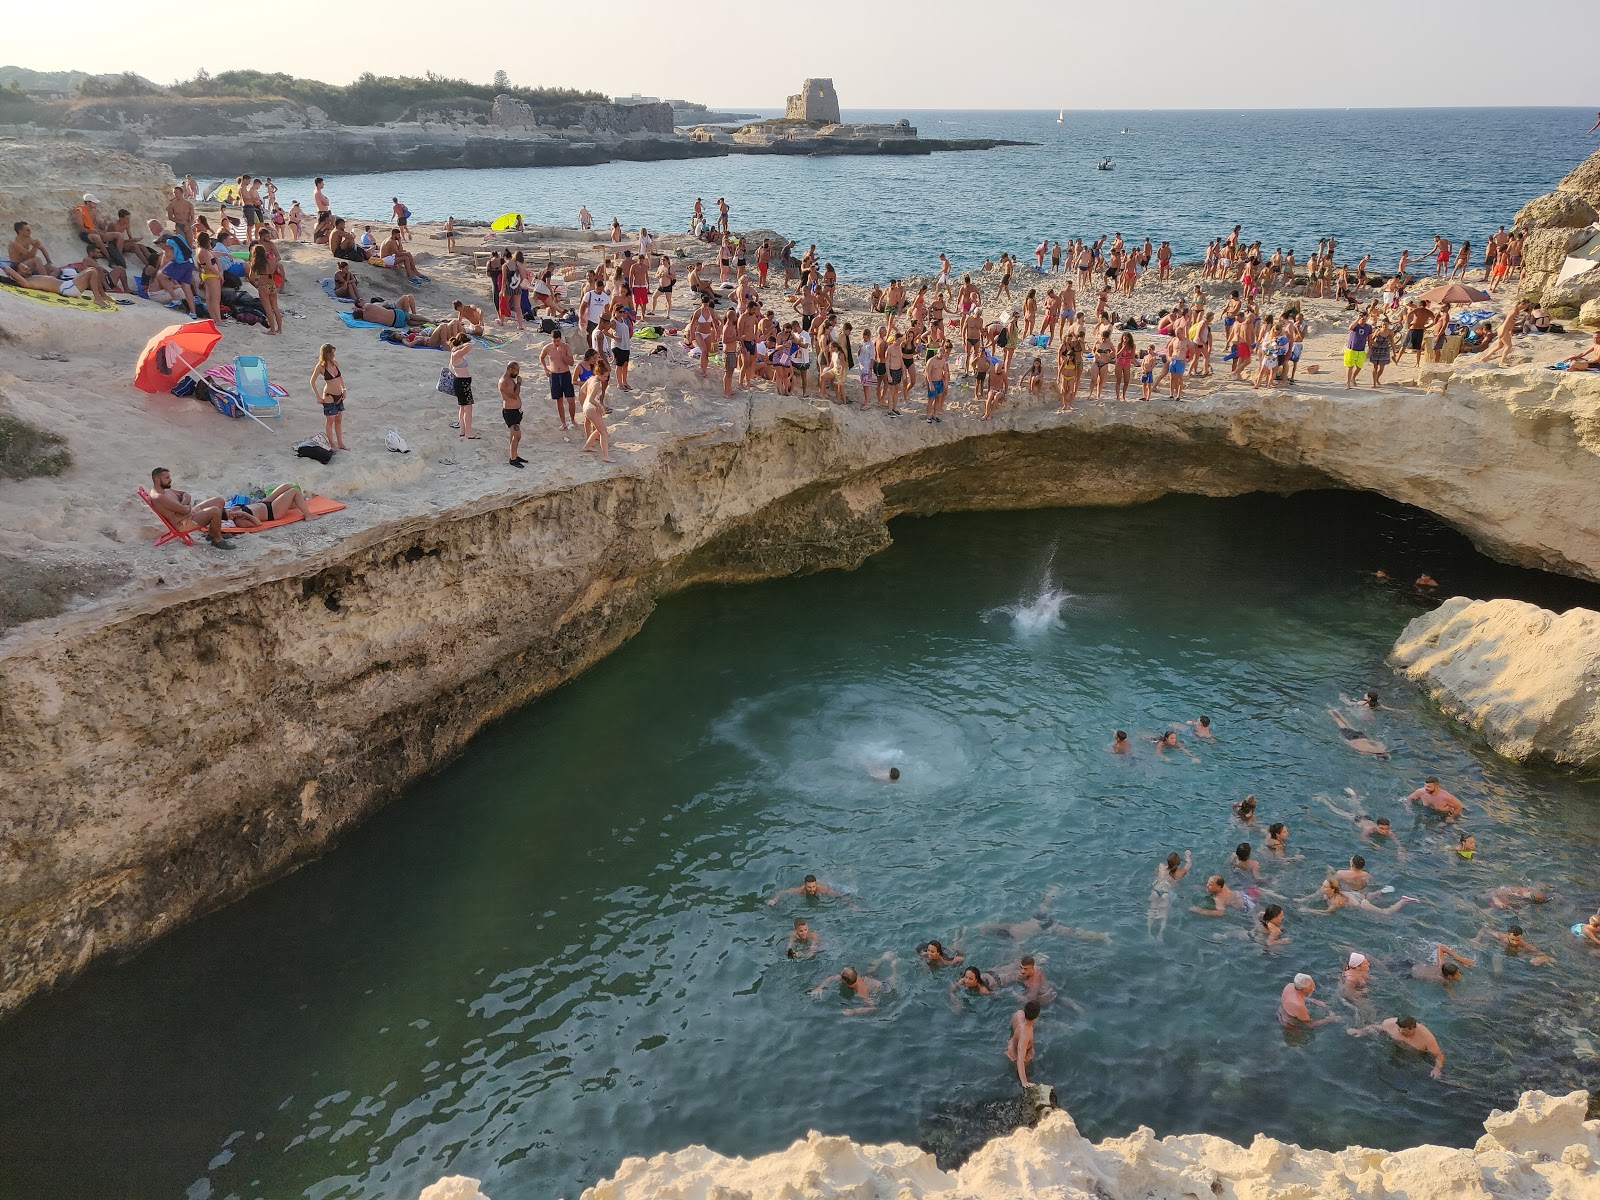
<point x="172" y="530"/>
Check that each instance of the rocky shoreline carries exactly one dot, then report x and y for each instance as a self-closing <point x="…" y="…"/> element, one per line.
<point x="1544" y="1149"/>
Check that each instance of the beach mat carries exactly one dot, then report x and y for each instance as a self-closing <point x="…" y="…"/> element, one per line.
<point x="394" y="337"/>
<point x="320" y="505"/>
<point x="83" y="302"/>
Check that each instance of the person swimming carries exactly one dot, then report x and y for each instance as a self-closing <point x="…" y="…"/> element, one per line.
<point x="1245" y="809"/>
<point x="1357" y="740"/>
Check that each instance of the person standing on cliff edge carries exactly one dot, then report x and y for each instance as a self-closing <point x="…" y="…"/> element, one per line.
<point x="1020" y="1048"/>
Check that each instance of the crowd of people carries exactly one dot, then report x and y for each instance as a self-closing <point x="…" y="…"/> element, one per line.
<point x="1242" y="893"/>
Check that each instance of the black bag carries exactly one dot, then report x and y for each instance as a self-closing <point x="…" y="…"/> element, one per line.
<point x="321" y="453"/>
<point x="548" y="325"/>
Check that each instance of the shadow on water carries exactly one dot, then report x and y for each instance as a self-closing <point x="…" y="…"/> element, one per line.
<point x="557" y="951"/>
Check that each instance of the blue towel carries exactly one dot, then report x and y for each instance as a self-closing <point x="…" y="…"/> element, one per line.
<point x="356" y="322"/>
<point x="327" y="286"/>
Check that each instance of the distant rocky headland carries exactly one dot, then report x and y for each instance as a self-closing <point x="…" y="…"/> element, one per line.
<point x="284" y="126"/>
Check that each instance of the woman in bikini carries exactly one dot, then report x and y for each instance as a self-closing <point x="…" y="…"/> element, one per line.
<point x="285" y="499"/>
<point x="259" y="274"/>
<point x="327" y="385"/>
<point x="205" y="260"/>
<point x="1126" y="352"/>
<point x="593" y="410"/>
<point x="1069" y="370"/>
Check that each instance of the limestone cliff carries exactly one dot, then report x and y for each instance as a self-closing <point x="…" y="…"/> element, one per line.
<point x="1523" y="677"/>
<point x="1543" y="1149"/>
<point x="389" y="649"/>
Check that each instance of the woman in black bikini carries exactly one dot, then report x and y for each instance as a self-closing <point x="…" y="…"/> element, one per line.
<point x="285" y="499"/>
<point x="327" y="385"/>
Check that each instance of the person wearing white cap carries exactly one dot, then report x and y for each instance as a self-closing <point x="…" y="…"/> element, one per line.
<point x="1292" y="1010"/>
<point x="85" y="220"/>
<point x="1356" y="969"/>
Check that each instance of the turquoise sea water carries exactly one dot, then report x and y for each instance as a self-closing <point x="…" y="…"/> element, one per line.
<point x="1379" y="180"/>
<point x="556" y="953"/>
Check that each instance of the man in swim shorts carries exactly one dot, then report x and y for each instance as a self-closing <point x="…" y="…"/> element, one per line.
<point x="185" y="513"/>
<point x="1293" y="1012"/>
<point x="1432" y="796"/>
<point x="1019" y="1049"/>
<point x="556" y="360"/>
<point x="1355" y="739"/>
<point x="1355" y="349"/>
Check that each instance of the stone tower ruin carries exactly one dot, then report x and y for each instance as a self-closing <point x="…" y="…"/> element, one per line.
<point x="817" y="103"/>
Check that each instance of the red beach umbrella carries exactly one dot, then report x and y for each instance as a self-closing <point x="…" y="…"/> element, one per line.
<point x="1454" y="293"/>
<point x="172" y="353"/>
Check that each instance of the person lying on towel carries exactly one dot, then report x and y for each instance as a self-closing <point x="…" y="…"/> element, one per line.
<point x="285" y="499"/>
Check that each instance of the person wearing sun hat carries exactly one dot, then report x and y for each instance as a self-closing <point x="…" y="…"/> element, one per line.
<point x="86" y="221"/>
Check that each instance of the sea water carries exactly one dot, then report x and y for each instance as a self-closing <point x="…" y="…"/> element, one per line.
<point x="1379" y="180"/>
<point x="558" y="952"/>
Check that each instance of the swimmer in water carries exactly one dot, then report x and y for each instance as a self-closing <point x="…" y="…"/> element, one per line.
<point x="1245" y="810"/>
<point x="1354" y="978"/>
<point x="1271" y="931"/>
<point x="1169" y="741"/>
<point x="810" y="889"/>
<point x="884" y="774"/>
<point x="1589" y="931"/>
<point x="1434" y="797"/>
<point x="1353" y="878"/>
<point x="863" y="989"/>
<point x="803" y="940"/>
<point x="1355" y="739"/>
<point x="1019" y="1049"/>
<point x="1466" y="847"/>
<point x="1427" y="583"/>
<point x="1167" y="874"/>
<point x="1516" y="895"/>
<point x="1240" y="860"/>
<point x="1369" y="829"/>
<point x="1407" y="1031"/>
<point x="1278" y="842"/>
<point x="1219" y="899"/>
<point x="1445" y="968"/>
<point x="1337" y="898"/>
<point x="973" y="982"/>
<point x="1201" y="727"/>
<point x="1293" y="1012"/>
<point x="1029" y="976"/>
<point x="1370" y="700"/>
<point x="1120" y="743"/>
<point x="935" y="955"/>
<point x="1515" y="944"/>
<point x="1042" y="922"/>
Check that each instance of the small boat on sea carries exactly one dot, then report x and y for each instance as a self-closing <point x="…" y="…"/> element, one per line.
<point x="1061" y="115"/>
<point x="1105" y="165"/>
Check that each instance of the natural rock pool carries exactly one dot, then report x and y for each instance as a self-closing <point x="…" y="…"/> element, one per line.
<point x="556" y="952"/>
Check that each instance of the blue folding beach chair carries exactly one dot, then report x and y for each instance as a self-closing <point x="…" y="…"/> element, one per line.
<point x="251" y="386"/>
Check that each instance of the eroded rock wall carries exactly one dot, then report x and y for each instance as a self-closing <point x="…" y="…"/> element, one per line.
<point x="165" y="756"/>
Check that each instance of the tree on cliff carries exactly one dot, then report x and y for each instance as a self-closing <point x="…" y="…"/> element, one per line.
<point x="502" y="82"/>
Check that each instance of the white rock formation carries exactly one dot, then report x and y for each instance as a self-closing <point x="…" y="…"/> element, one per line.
<point x="1541" y="1150"/>
<point x="1526" y="679"/>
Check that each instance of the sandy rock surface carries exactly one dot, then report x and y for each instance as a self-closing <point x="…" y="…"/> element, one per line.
<point x="1541" y="1150"/>
<point x="1525" y="678"/>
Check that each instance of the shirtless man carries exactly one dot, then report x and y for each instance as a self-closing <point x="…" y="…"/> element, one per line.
<point x="1201" y="726"/>
<point x="180" y="211"/>
<point x="184" y="512"/>
<point x="1019" y="1049"/>
<point x="470" y="313"/>
<point x="1515" y="896"/>
<point x="862" y="988"/>
<point x="394" y="254"/>
<point x="937" y="380"/>
<point x="972" y="333"/>
<point x="1408" y="1031"/>
<point x="1434" y="797"/>
<point x="556" y="361"/>
<point x="1293" y="1012"/>
<point x="342" y="243"/>
<point x="318" y="198"/>
<point x="27" y="253"/>
<point x="1370" y="830"/>
<point x="1515" y="944"/>
<point x="803" y="940"/>
<point x="511" y="408"/>
<point x="749" y="336"/>
<point x="399" y="315"/>
<point x="1353" y="878"/>
<point x="1120" y="743"/>
<point x="89" y="281"/>
<point x="1355" y="739"/>
<point x="1025" y="973"/>
<point x="1241" y="861"/>
<point x="1042" y="922"/>
<point x="1417" y="322"/>
<point x="810" y="889"/>
<point x="1221" y="898"/>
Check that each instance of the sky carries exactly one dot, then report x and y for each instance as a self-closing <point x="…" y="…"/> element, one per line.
<point x="881" y="54"/>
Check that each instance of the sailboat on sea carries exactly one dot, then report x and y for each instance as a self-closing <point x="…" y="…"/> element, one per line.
<point x="1061" y="116"/>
